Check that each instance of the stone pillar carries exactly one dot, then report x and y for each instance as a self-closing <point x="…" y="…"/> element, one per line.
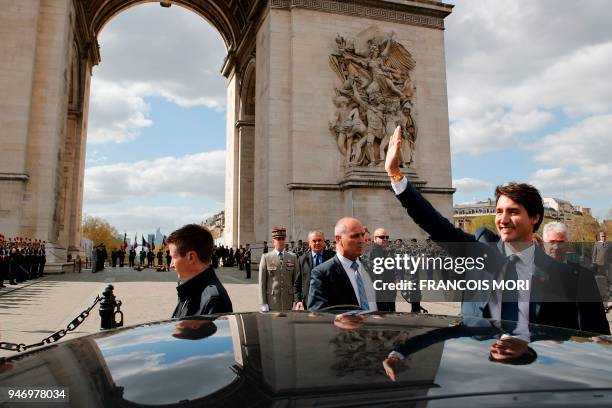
<point x="41" y="36"/>
<point x="19" y="32"/>
<point x="273" y="171"/>
<point x="231" y="164"/>
<point x="246" y="140"/>
<point x="73" y="160"/>
<point x="42" y="207"/>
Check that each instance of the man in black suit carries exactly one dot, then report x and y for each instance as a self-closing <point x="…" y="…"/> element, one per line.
<point x="345" y="279"/>
<point x="591" y="313"/>
<point x="309" y="260"/>
<point x="519" y="212"/>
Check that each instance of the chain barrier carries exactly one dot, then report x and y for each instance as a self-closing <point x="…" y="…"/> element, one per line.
<point x="76" y="322"/>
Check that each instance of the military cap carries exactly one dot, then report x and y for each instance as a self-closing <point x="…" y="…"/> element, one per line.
<point x="279" y="233"/>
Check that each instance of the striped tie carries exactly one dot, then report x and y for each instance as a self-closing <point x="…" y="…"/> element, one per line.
<point x="363" y="299"/>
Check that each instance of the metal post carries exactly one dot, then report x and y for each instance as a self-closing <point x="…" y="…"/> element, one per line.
<point x="107" y="309"/>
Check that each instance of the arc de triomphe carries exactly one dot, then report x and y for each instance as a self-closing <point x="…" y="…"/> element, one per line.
<point x="312" y="88"/>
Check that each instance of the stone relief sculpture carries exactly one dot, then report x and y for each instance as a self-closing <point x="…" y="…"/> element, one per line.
<point x="376" y="95"/>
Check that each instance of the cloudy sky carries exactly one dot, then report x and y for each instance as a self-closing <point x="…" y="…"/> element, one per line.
<point x="529" y="100"/>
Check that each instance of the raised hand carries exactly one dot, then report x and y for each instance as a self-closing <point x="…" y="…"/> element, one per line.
<point x="394" y="151"/>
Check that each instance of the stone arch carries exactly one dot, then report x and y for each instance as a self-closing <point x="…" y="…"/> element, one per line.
<point x="228" y="18"/>
<point x="247" y="98"/>
<point x="45" y="117"/>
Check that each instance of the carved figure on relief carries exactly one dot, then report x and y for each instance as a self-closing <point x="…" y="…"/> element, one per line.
<point x="376" y="94"/>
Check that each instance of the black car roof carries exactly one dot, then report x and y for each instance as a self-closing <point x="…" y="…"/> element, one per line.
<point x="255" y="359"/>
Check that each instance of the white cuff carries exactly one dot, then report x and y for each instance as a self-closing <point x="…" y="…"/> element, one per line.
<point x="265" y="307"/>
<point x="396" y="354"/>
<point x="400" y="186"/>
<point x="526" y="337"/>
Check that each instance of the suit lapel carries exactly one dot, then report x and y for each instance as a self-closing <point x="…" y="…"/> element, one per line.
<point x="345" y="287"/>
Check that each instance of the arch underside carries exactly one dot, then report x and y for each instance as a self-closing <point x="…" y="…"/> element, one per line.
<point x="231" y="18"/>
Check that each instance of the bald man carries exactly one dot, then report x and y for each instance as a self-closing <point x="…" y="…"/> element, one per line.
<point x="344" y="279"/>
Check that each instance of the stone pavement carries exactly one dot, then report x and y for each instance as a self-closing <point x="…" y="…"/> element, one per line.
<point x="34" y="310"/>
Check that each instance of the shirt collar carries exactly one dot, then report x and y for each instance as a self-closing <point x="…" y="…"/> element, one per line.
<point x="526" y="256"/>
<point x="276" y="251"/>
<point x="346" y="263"/>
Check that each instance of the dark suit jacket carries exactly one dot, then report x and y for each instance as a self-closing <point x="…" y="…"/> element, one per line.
<point x="302" y="278"/>
<point x="591" y="313"/>
<point x="330" y="286"/>
<point x="551" y="280"/>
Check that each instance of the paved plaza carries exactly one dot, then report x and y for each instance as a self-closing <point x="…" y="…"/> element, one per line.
<point x="33" y="310"/>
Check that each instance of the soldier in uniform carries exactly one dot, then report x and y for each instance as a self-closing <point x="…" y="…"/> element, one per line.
<point x="143" y="255"/>
<point x="15" y="263"/>
<point x="247" y="261"/>
<point x="114" y="258"/>
<point x="43" y="259"/>
<point x="168" y="258"/>
<point x="132" y="258"/>
<point x="121" y="256"/>
<point x="150" y="259"/>
<point x="3" y="262"/>
<point x="160" y="257"/>
<point x="277" y="271"/>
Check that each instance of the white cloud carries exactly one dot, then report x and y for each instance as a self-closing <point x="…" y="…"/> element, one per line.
<point x="471" y="185"/>
<point x="575" y="83"/>
<point x="118" y="112"/>
<point x="201" y="174"/>
<point x="511" y="65"/>
<point x="586" y="143"/>
<point x="579" y="157"/>
<point x="494" y="129"/>
<point x="180" y="63"/>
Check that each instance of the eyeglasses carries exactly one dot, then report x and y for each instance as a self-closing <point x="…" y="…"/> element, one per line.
<point x="382" y="236"/>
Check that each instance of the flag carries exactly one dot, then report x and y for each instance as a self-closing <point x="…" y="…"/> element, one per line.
<point x="125" y="245"/>
<point x="164" y="243"/>
<point x="135" y="241"/>
<point x="153" y="245"/>
<point x="144" y="242"/>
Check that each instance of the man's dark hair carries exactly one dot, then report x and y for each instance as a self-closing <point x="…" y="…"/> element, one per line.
<point x="526" y="195"/>
<point x="206" y="329"/>
<point x="193" y="237"/>
<point x="524" y="359"/>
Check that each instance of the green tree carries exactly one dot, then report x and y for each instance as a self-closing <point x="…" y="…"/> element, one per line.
<point x="99" y="231"/>
<point x="487" y="221"/>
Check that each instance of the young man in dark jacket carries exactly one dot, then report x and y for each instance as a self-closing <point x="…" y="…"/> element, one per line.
<point x="200" y="292"/>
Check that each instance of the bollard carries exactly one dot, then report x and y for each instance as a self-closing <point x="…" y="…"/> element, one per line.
<point x="107" y="310"/>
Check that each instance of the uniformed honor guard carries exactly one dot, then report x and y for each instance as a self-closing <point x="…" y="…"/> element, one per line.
<point x="277" y="271"/>
<point x="247" y="261"/>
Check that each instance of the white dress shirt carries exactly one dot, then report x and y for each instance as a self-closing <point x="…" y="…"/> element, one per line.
<point x="524" y="270"/>
<point x="367" y="282"/>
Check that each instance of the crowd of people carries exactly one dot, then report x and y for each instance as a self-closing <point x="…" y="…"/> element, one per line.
<point x="21" y="259"/>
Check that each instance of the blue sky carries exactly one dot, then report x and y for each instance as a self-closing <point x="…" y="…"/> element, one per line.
<point x="529" y="100"/>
